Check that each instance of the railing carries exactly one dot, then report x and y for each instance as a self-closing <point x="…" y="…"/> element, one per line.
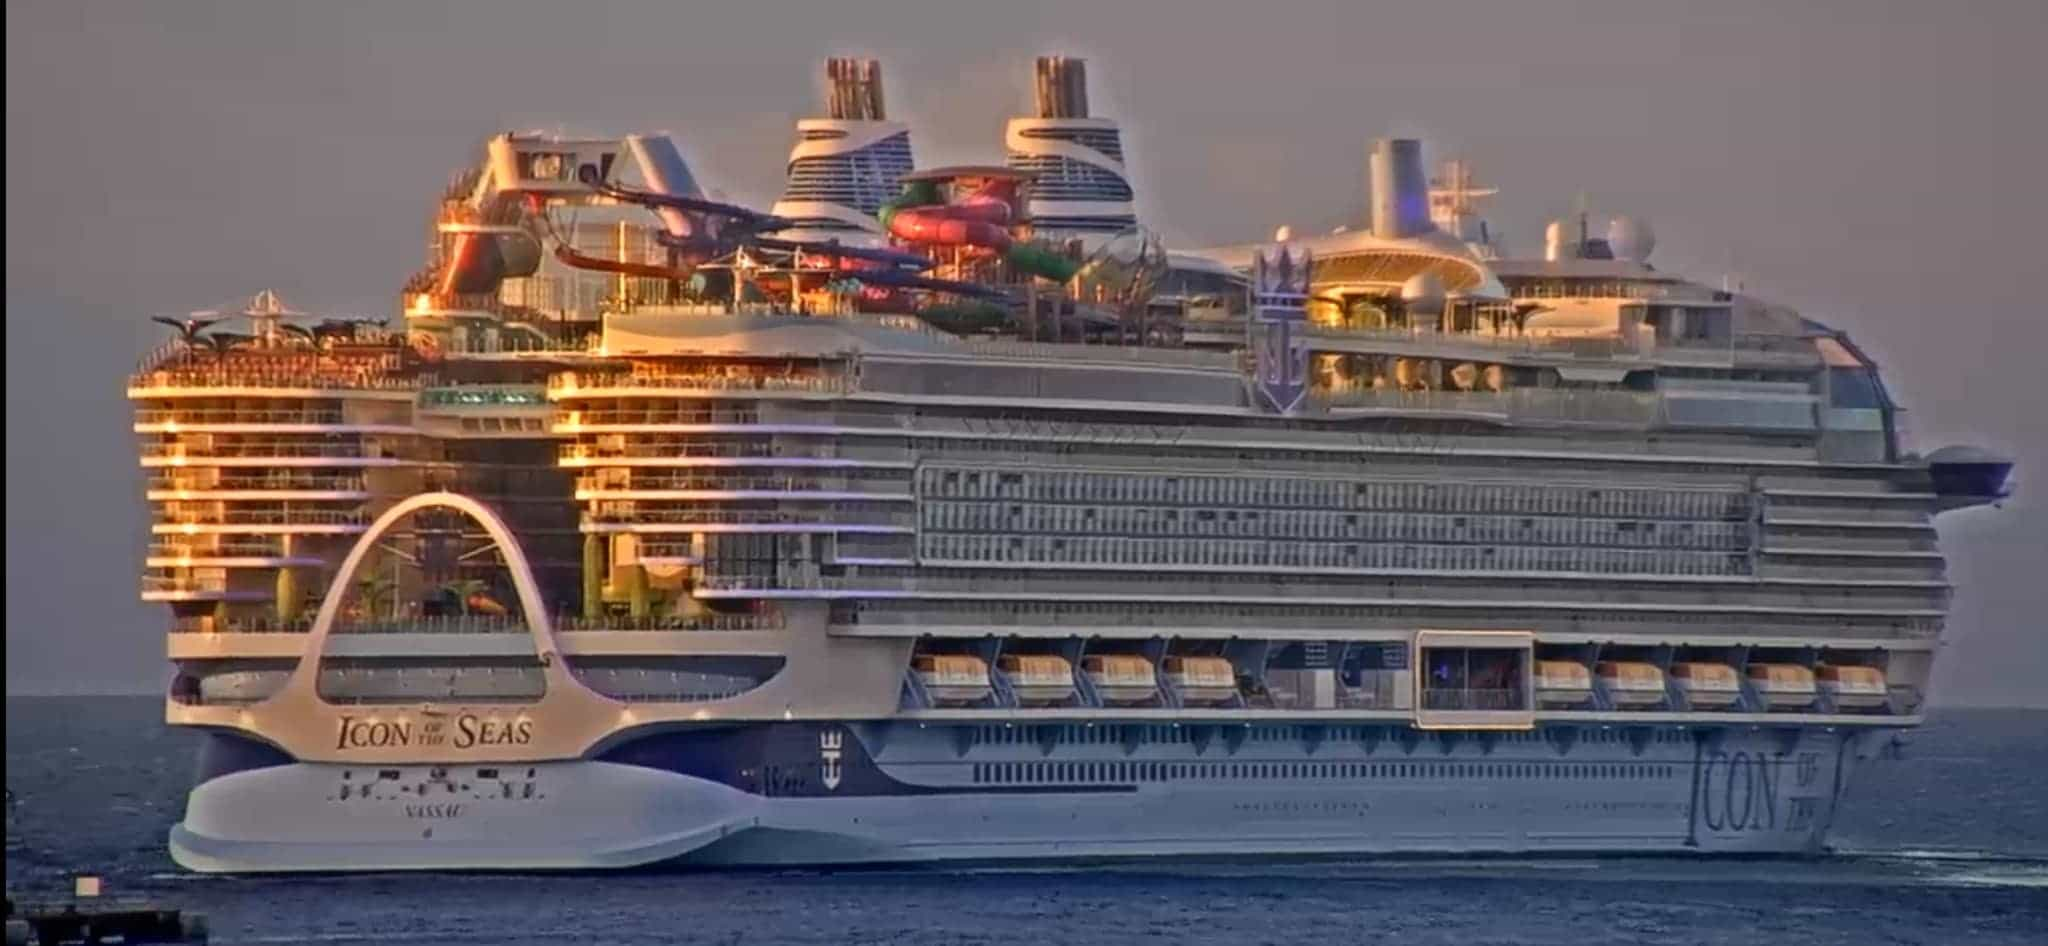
<point x="667" y="450"/>
<point x="639" y="416"/>
<point x="709" y="381"/>
<point x="374" y="685"/>
<point x="228" y="415"/>
<point x="197" y="584"/>
<point x="273" y="517"/>
<point x="755" y="483"/>
<point x="1540" y="405"/>
<point x="1596" y="348"/>
<point x="265" y="449"/>
<point x="693" y="515"/>
<point x="275" y="480"/>
<point x="365" y="380"/>
<point x="228" y="547"/>
<point x="484" y="624"/>
<point x="448" y="624"/>
<point x="1446" y="698"/>
<point x="1101" y="354"/>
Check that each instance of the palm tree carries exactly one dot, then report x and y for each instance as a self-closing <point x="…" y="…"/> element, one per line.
<point x="189" y="328"/>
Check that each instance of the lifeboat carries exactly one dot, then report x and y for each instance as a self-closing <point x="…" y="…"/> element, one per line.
<point x="1120" y="678"/>
<point x="1202" y="680"/>
<point x="1784" y="686"/>
<point x="952" y="679"/>
<point x="1853" y="687"/>
<point x="1563" y="683"/>
<point x="1631" y="683"/>
<point x="1707" y="685"/>
<point x="1038" y="679"/>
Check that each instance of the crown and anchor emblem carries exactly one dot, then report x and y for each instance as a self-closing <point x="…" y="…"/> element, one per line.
<point x="1279" y="310"/>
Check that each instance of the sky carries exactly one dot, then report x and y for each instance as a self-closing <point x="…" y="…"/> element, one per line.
<point x="1876" y="163"/>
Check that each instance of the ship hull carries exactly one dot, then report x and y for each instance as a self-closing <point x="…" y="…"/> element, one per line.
<point x="804" y="794"/>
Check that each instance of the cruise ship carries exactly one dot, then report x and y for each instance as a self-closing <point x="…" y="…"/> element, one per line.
<point x="943" y="514"/>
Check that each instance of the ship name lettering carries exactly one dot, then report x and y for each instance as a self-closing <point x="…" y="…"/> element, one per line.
<point x="472" y="731"/>
<point x="1739" y="792"/>
<point x="433" y="812"/>
<point x="356" y="732"/>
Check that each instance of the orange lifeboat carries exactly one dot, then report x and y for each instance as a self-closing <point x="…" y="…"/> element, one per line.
<point x="952" y="679"/>
<point x="1632" y="683"/>
<point x="1707" y="685"/>
<point x="1038" y="679"/>
<point x="1202" y="680"/>
<point x="1854" y="687"/>
<point x="1563" y="683"/>
<point x="1784" y="686"/>
<point x="1121" y="678"/>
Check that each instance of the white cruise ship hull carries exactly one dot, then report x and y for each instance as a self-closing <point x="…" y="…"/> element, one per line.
<point x="917" y="798"/>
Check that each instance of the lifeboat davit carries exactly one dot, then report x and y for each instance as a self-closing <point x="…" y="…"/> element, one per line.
<point x="1563" y="683"/>
<point x="952" y="679"/>
<point x="1038" y="679"/>
<point x="1853" y="687"/>
<point x="1203" y="680"/>
<point x="1707" y="685"/>
<point x="1784" y="686"/>
<point x="1632" y="683"/>
<point x="1121" y="678"/>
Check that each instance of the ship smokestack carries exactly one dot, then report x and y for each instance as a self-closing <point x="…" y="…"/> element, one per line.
<point x="1400" y="192"/>
<point x="1062" y="89"/>
<point x="853" y="89"/>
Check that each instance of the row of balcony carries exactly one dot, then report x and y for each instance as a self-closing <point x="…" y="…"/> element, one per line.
<point x="237" y="415"/>
<point x="567" y="384"/>
<point x="484" y="624"/>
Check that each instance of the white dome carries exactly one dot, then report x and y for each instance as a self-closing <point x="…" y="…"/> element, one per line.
<point x="1560" y="240"/>
<point x="1423" y="294"/>
<point x="1631" y="239"/>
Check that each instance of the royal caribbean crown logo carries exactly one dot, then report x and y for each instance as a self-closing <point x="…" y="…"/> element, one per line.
<point x="1279" y="314"/>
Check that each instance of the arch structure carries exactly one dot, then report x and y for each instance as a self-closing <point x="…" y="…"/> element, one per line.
<point x="567" y="718"/>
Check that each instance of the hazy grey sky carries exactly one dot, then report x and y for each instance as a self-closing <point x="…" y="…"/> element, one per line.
<point x="1878" y="164"/>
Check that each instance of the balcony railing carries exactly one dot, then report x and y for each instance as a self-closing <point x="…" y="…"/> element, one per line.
<point x="482" y="624"/>
<point x="1525" y="405"/>
<point x="229" y="415"/>
<point x="252" y="377"/>
<point x="272" y="480"/>
<point x="1485" y="700"/>
<point x="198" y="583"/>
<point x="263" y="449"/>
<point x="226" y="547"/>
<point x="592" y="418"/>
<point x="709" y="381"/>
<point x="695" y="515"/>
<point x="783" y="484"/>
<point x="239" y="516"/>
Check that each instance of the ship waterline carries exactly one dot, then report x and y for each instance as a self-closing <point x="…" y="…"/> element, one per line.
<point x="669" y="531"/>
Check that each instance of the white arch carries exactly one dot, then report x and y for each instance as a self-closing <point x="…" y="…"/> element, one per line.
<point x="553" y="669"/>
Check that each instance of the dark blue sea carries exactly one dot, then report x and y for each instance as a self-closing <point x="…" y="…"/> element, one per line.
<point x="1948" y="846"/>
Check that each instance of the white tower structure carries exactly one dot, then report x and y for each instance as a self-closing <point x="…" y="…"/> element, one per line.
<point x="1080" y="188"/>
<point x="844" y="167"/>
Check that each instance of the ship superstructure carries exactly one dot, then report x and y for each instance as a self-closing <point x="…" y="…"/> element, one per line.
<point x="736" y="543"/>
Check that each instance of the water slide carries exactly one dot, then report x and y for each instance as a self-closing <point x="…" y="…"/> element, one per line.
<point x="701" y="229"/>
<point x="920" y="216"/>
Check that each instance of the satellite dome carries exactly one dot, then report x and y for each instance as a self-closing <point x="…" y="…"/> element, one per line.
<point x="1423" y="294"/>
<point x="1560" y="240"/>
<point x="1284" y="234"/>
<point x="1631" y="239"/>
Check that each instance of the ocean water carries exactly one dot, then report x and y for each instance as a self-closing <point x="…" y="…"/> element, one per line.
<point x="1948" y="846"/>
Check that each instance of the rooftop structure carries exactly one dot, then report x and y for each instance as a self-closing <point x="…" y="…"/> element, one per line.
<point x="847" y="164"/>
<point x="1080" y="186"/>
